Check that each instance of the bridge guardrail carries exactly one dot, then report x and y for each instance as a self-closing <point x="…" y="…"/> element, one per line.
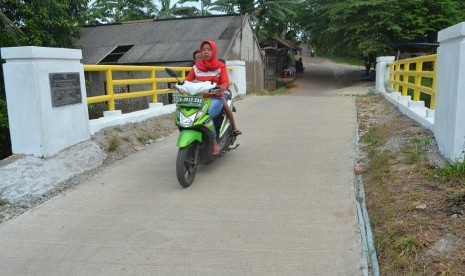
<point x="153" y="80"/>
<point x="415" y="77"/>
<point x="111" y="96"/>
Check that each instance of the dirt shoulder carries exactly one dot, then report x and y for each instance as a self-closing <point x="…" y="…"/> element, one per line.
<point x="416" y="208"/>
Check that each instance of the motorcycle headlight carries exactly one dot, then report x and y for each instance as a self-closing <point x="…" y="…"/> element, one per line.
<point x="186" y="121"/>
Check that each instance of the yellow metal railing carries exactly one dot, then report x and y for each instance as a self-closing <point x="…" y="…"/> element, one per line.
<point x="415" y="76"/>
<point x="110" y="96"/>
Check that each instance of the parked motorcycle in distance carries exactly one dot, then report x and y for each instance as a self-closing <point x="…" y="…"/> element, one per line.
<point x="196" y="127"/>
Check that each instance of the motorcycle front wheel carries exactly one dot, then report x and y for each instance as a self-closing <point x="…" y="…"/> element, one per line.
<point x="186" y="165"/>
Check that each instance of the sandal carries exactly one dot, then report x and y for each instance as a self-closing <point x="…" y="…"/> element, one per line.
<point x="237" y="132"/>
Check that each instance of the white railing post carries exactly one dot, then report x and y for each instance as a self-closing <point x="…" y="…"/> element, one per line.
<point x="237" y="76"/>
<point x="449" y="121"/>
<point x="46" y="98"/>
<point x="382" y="72"/>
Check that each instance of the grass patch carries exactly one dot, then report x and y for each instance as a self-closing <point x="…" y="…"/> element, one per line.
<point x="371" y="92"/>
<point x="283" y="86"/>
<point x="279" y="91"/>
<point x="379" y="166"/>
<point x="454" y="172"/>
<point x="3" y="202"/>
<point x="285" y="83"/>
<point x="143" y="138"/>
<point x="342" y="59"/>
<point x="417" y="152"/>
<point x="456" y="200"/>
<point x="414" y="206"/>
<point x="379" y="160"/>
<point x="276" y="92"/>
<point x="373" y="139"/>
<point x="113" y="144"/>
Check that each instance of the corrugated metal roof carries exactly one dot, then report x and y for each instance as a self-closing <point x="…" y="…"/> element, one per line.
<point x="158" y="41"/>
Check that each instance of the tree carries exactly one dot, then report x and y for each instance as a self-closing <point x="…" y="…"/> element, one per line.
<point x="369" y="27"/>
<point x="205" y="6"/>
<point x="269" y="17"/>
<point x="54" y="23"/>
<point x="10" y="34"/>
<point x="169" y="10"/>
<point x="115" y="11"/>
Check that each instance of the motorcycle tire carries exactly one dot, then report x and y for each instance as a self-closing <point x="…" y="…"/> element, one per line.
<point x="186" y="165"/>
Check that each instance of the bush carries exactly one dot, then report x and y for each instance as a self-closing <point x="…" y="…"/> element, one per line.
<point x="5" y="143"/>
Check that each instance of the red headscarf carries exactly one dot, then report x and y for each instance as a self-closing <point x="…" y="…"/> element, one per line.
<point x="212" y="64"/>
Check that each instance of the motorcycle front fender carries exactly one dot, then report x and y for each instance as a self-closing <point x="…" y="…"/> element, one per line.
<point x="188" y="136"/>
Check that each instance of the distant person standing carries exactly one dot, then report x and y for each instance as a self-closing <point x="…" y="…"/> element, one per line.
<point x="299" y="66"/>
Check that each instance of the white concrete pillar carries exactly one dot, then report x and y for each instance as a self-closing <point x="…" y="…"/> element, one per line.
<point x="237" y="76"/>
<point x="449" y="120"/>
<point x="46" y="98"/>
<point x="382" y="72"/>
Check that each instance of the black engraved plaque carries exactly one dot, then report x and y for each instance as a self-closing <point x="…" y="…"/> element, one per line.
<point x="65" y="88"/>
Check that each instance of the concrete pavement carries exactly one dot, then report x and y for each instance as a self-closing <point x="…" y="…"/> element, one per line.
<point x="281" y="204"/>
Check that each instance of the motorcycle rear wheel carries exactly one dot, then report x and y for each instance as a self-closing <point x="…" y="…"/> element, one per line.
<point x="186" y="165"/>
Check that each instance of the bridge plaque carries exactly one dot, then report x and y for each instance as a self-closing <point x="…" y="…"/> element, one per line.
<point x="65" y="89"/>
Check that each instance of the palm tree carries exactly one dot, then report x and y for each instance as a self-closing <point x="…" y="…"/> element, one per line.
<point x="178" y="10"/>
<point x="269" y="17"/>
<point x="10" y="34"/>
<point x="114" y="11"/>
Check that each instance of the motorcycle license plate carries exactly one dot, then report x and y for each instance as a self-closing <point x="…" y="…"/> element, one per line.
<point x="190" y="101"/>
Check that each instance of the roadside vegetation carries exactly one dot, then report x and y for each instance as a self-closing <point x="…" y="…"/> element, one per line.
<point x="340" y="59"/>
<point x="283" y="86"/>
<point x="415" y="200"/>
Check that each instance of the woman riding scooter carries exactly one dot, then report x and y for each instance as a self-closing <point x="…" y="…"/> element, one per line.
<point x="211" y="69"/>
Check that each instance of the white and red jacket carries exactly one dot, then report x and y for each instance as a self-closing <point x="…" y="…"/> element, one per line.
<point x="220" y="76"/>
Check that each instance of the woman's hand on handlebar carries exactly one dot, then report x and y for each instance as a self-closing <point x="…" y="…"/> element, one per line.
<point x="216" y="91"/>
<point x="221" y="88"/>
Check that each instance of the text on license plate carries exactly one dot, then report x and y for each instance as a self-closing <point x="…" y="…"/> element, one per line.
<point x="190" y="101"/>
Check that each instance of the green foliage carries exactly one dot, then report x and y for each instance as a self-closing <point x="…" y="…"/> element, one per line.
<point x="373" y="139"/>
<point x="3" y="202"/>
<point x="340" y="59"/>
<point x="3" y="115"/>
<point x="417" y="152"/>
<point x="113" y="144"/>
<point x="358" y="27"/>
<point x="5" y="146"/>
<point x="269" y="17"/>
<point x="455" y="201"/>
<point x="144" y="137"/>
<point x="111" y="11"/>
<point x="51" y="23"/>
<point x="454" y="171"/>
<point x="10" y="34"/>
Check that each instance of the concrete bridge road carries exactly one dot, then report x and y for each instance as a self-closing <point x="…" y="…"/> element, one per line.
<point x="281" y="204"/>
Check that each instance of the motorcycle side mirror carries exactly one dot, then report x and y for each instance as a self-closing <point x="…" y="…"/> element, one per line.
<point x="172" y="74"/>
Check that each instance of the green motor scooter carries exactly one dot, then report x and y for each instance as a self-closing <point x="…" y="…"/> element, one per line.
<point x="196" y="127"/>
